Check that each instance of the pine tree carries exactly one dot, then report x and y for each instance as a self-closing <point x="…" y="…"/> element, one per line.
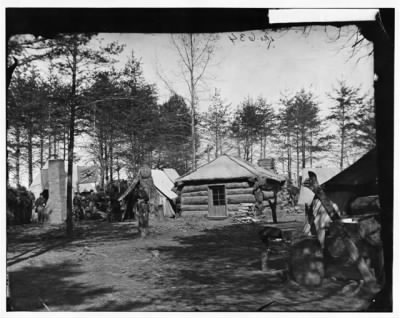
<point x="215" y="123"/>
<point x="365" y="134"/>
<point x="174" y="144"/>
<point x="268" y="125"/>
<point x="347" y="100"/>
<point x="73" y="57"/>
<point x="246" y="125"/>
<point x="286" y="128"/>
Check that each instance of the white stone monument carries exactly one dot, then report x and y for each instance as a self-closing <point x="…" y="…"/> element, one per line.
<point x="57" y="204"/>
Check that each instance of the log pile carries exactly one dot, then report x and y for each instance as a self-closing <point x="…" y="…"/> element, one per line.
<point x="246" y="208"/>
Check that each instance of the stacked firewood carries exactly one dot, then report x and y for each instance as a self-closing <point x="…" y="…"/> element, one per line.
<point x="246" y="208"/>
<point x="245" y="214"/>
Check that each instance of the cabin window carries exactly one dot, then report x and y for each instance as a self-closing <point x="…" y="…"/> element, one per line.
<point x="218" y="195"/>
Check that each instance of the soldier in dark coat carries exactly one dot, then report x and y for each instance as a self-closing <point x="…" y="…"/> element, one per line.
<point x="40" y="203"/>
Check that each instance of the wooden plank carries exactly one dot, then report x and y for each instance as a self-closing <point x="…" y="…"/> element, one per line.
<point x="234" y="185"/>
<point x="204" y="187"/>
<point x="194" y="188"/>
<point x="195" y="200"/>
<point x="244" y="198"/>
<point x="239" y="191"/>
<point x="195" y="194"/>
<point x="194" y="207"/>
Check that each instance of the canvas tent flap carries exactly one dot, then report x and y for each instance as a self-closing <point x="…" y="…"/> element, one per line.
<point x="360" y="178"/>
<point x="172" y="174"/>
<point x="160" y="180"/>
<point x="163" y="184"/>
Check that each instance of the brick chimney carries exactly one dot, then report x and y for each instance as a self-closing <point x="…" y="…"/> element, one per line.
<point x="267" y="163"/>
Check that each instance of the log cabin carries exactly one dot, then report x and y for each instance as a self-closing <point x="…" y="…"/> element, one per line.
<point x="218" y="188"/>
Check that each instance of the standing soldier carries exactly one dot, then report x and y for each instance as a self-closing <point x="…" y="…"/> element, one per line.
<point x="143" y="209"/>
<point x="77" y="206"/>
<point x="40" y="203"/>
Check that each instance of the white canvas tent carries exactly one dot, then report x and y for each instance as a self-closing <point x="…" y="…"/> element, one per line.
<point x="323" y="175"/>
<point x="163" y="185"/>
<point x="172" y="174"/>
<point x="39" y="181"/>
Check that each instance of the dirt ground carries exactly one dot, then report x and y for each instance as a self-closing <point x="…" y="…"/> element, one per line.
<point x="185" y="264"/>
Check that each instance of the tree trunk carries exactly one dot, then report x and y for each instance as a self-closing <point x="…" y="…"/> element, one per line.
<point x="265" y="146"/>
<point x="70" y="161"/>
<point x="303" y="149"/>
<point x="106" y="159"/>
<point x="41" y="151"/>
<point x="220" y="145"/>
<point x="111" y="160"/>
<point x="50" y="129"/>
<point x="342" y="138"/>
<point x="118" y="168"/>
<point x="49" y="145"/>
<point x="289" y="159"/>
<point x="30" y="156"/>
<point x="17" y="155"/>
<point x="311" y="143"/>
<point x="342" y="150"/>
<point x="55" y="145"/>
<point x="192" y="102"/>
<point x="101" y="155"/>
<point x="71" y="144"/>
<point x="297" y="157"/>
<point x="64" y="142"/>
<point x="216" y="145"/>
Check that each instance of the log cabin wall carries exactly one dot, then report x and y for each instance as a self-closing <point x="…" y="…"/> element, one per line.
<point x="194" y="197"/>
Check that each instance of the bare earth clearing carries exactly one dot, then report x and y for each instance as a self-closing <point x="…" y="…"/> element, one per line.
<point x="186" y="264"/>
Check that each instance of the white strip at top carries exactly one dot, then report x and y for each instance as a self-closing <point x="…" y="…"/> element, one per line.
<point x="320" y="15"/>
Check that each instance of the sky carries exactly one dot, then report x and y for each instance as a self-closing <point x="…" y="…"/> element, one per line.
<point x="294" y="60"/>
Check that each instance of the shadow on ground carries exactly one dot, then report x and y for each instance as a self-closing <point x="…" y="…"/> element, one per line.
<point x="210" y="268"/>
<point x="219" y="270"/>
<point x="28" y="241"/>
<point x="52" y="285"/>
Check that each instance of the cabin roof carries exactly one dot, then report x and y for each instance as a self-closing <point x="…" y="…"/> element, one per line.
<point x="228" y="167"/>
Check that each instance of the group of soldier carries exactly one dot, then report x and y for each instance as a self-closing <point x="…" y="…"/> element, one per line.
<point x="85" y="206"/>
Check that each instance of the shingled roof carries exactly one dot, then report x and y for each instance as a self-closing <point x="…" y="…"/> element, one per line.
<point x="227" y="167"/>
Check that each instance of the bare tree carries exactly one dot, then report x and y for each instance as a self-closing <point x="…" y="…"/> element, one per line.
<point x="195" y="52"/>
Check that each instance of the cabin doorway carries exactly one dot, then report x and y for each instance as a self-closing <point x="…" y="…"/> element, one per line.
<point x="217" y="201"/>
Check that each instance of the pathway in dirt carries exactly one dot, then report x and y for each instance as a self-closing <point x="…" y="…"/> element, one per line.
<point x="186" y="264"/>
